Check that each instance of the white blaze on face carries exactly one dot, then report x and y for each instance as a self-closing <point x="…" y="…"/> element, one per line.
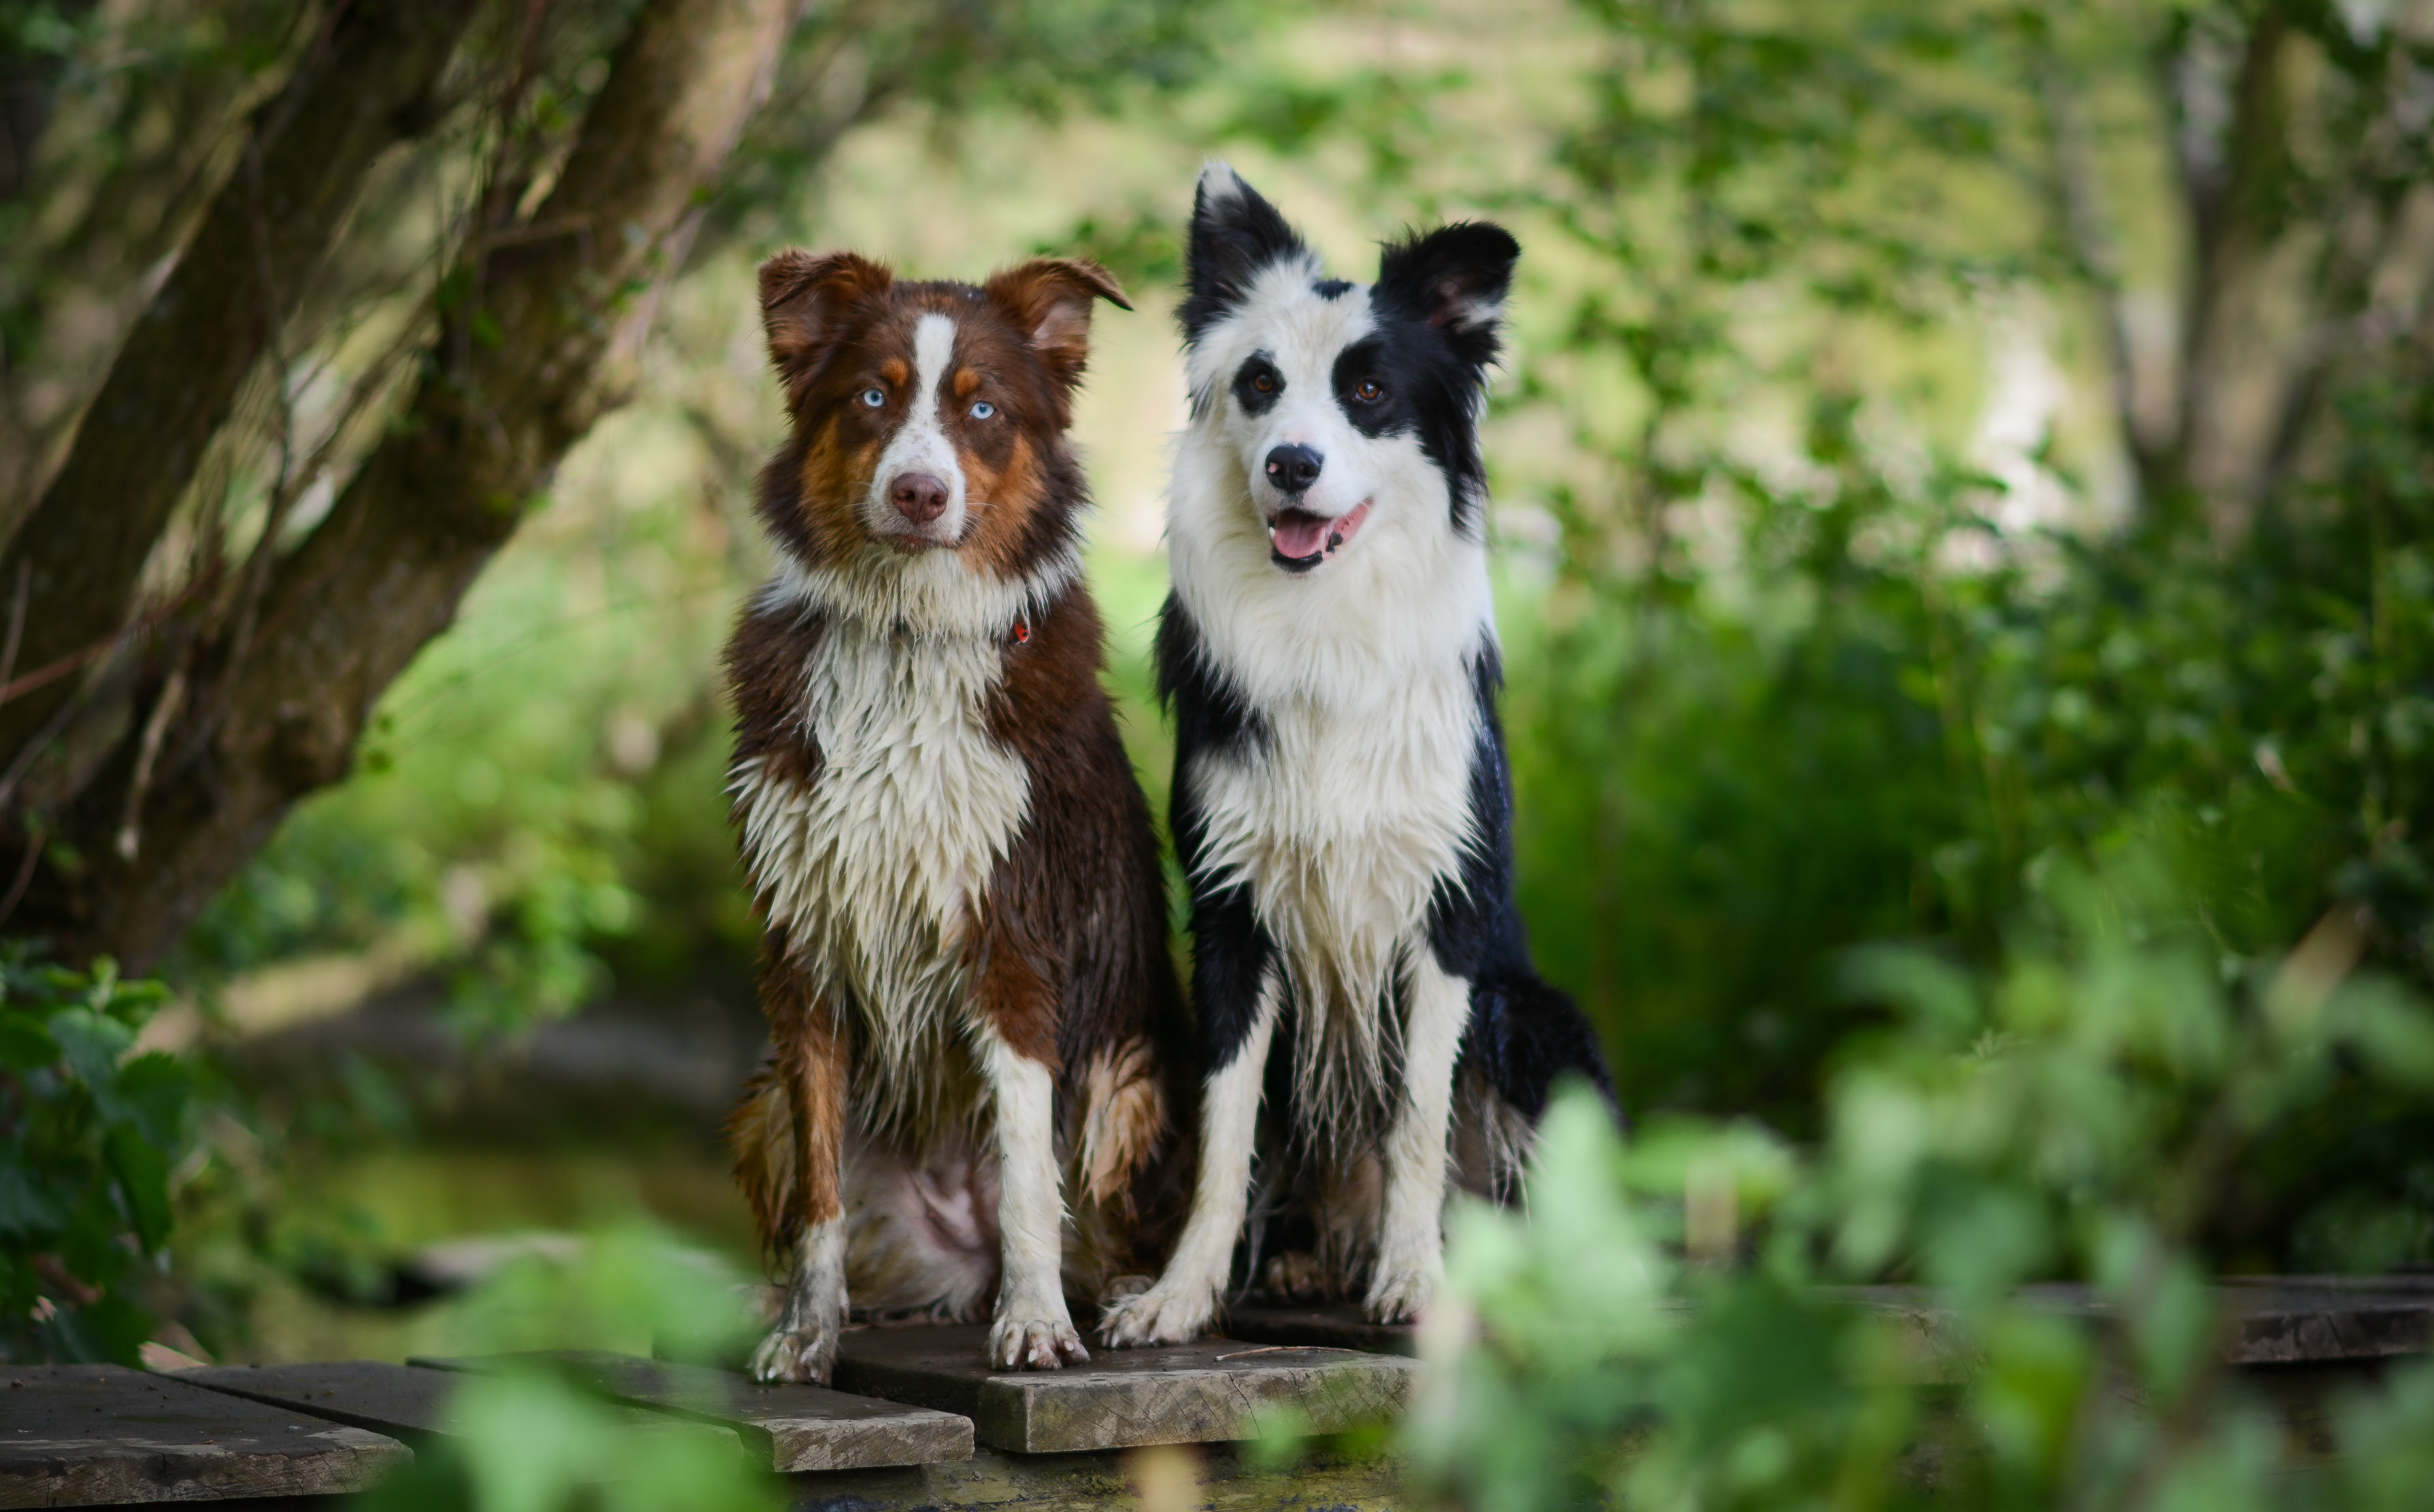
<point x="921" y="444"/>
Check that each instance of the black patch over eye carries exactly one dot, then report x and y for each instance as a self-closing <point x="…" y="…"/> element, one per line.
<point x="1364" y="394"/>
<point x="1258" y="384"/>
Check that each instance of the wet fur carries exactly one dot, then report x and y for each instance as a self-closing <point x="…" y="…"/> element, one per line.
<point x="978" y="1059"/>
<point x="1371" y="1024"/>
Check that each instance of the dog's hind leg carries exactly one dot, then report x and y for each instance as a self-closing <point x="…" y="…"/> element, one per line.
<point x="1411" y="1238"/>
<point x="1182" y="1304"/>
<point x="788" y="1137"/>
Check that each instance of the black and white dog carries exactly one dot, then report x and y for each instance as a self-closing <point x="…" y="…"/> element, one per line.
<point x="1341" y="801"/>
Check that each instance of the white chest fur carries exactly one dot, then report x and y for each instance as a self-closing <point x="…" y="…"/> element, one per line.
<point x="875" y="869"/>
<point x="1343" y="821"/>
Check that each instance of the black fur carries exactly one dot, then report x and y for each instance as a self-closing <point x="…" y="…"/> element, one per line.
<point x="1209" y="712"/>
<point x="1233" y="240"/>
<point x="1230" y="949"/>
<point x="1523" y="1033"/>
<point x="1436" y="302"/>
<point x="1247" y="383"/>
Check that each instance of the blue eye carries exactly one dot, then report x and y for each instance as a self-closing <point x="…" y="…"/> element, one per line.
<point x="874" y="398"/>
<point x="983" y="410"/>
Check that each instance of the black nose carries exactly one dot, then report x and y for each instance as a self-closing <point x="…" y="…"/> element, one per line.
<point x="918" y="497"/>
<point x="1294" y="468"/>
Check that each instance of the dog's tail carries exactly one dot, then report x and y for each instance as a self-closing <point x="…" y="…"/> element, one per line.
<point x="1526" y="1035"/>
<point x="760" y="1135"/>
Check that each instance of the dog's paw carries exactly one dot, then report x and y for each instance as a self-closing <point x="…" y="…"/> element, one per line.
<point x="1400" y="1293"/>
<point x="1019" y="1343"/>
<point x="1162" y="1315"/>
<point x="1295" y="1274"/>
<point x="801" y="1355"/>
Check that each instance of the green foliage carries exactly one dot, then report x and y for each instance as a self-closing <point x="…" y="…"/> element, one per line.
<point x="543" y="786"/>
<point x="2073" y="1116"/>
<point x="533" y="1439"/>
<point x="1801" y="670"/>
<point x="87" y="1134"/>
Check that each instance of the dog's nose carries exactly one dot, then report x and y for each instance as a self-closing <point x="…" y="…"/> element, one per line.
<point x="918" y="497"/>
<point x="1294" y="468"/>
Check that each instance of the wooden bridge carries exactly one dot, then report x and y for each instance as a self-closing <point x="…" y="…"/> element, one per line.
<point x="916" y="1421"/>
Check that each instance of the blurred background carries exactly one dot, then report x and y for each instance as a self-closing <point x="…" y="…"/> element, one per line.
<point x="1939" y="442"/>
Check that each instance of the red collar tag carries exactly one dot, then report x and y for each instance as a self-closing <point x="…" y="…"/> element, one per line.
<point x="1021" y="629"/>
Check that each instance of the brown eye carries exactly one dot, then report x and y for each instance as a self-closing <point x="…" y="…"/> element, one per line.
<point x="1264" y="382"/>
<point x="1369" y="392"/>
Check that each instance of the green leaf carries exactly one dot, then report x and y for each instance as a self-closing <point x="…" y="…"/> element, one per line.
<point x="29" y="1208"/>
<point x="25" y="1044"/>
<point x="152" y="1089"/>
<point x="90" y="1246"/>
<point x="143" y="1173"/>
<point x="112" y="1329"/>
<point x="92" y="1046"/>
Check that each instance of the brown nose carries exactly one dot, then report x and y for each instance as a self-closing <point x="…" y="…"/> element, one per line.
<point x="918" y="497"/>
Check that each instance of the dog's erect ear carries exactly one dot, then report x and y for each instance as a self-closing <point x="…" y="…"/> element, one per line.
<point x="1049" y="298"/>
<point x="1454" y="278"/>
<point x="804" y="298"/>
<point x="1235" y="236"/>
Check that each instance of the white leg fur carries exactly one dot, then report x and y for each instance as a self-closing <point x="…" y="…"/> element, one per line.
<point x="1032" y="1329"/>
<point x="1181" y="1305"/>
<point x="1410" y="1237"/>
<point x="802" y="1346"/>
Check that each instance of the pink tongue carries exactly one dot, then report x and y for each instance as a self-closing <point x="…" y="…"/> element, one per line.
<point x="1297" y="535"/>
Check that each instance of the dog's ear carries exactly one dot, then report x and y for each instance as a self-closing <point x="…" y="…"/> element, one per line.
<point x="1049" y="298"/>
<point x="1455" y="277"/>
<point x="804" y="298"/>
<point x="1235" y="236"/>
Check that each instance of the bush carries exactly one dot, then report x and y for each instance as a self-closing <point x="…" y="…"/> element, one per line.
<point x="1661" y="1328"/>
<point x="88" y="1136"/>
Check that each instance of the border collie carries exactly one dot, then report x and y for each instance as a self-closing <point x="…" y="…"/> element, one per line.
<point x="1343" y="805"/>
<point x="972" y="1009"/>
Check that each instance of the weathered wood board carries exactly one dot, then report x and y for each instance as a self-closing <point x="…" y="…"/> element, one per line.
<point x="1173" y="1394"/>
<point x="1220" y="1477"/>
<point x="800" y="1428"/>
<point x="2292" y="1320"/>
<point x="102" y="1434"/>
<point x="2268" y="1319"/>
<point x="1336" y="1325"/>
<point x="404" y="1401"/>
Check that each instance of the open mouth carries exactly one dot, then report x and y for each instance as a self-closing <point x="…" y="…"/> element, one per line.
<point x="1299" y="540"/>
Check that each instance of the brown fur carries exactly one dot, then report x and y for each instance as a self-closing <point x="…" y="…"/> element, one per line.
<point x="1066" y="955"/>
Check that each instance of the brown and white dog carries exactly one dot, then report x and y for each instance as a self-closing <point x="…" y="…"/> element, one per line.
<point x="973" y="1012"/>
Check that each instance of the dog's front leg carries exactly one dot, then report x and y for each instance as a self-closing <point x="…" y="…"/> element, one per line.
<point x="1032" y="1329"/>
<point x="809" y="1066"/>
<point x="1411" y="1238"/>
<point x="1181" y="1305"/>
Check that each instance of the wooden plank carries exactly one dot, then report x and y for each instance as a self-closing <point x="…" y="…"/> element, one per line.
<point x="404" y="1401"/>
<point x="1205" y="1392"/>
<point x="102" y="1434"/>
<point x="1336" y="1325"/>
<point x="1222" y="1478"/>
<point x="800" y="1428"/>
<point x="2266" y="1319"/>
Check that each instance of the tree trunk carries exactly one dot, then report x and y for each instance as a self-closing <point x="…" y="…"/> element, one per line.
<point x="517" y="375"/>
<point x="81" y="553"/>
<point x="123" y="176"/>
